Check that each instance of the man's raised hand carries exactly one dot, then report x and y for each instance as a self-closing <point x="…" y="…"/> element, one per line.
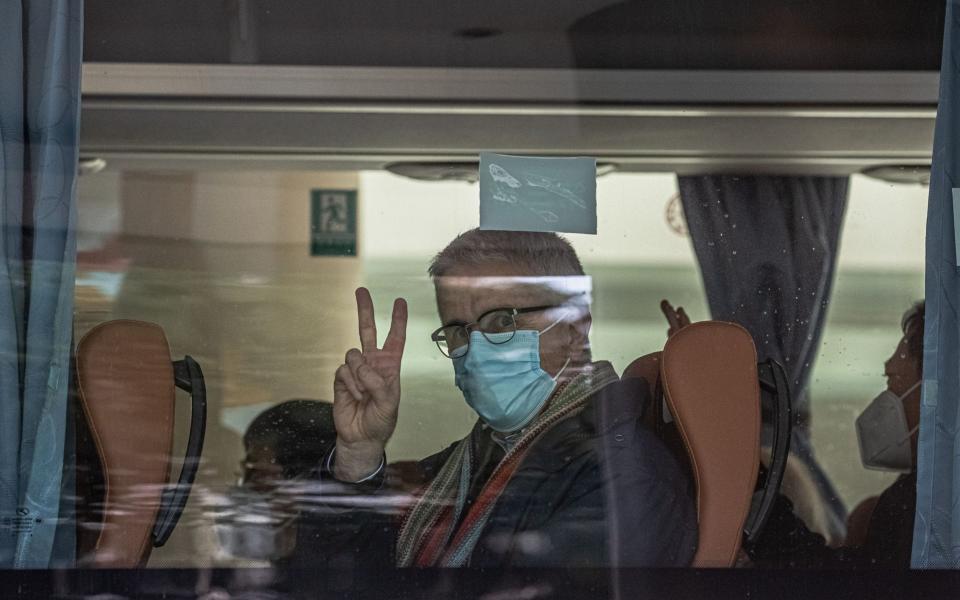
<point x="366" y="391"/>
<point x="676" y="318"/>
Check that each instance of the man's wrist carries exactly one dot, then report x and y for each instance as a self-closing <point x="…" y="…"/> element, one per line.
<point x="356" y="462"/>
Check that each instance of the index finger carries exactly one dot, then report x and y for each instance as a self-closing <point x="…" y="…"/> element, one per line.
<point x="368" y="326"/>
<point x="670" y="314"/>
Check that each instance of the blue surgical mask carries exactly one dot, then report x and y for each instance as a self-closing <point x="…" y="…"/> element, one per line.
<point x="503" y="382"/>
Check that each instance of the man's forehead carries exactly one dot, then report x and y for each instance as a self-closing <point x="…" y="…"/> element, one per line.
<point x="463" y="298"/>
<point x="562" y="285"/>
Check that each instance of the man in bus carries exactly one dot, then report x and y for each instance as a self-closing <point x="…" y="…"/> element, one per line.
<point x="880" y="529"/>
<point x="558" y="470"/>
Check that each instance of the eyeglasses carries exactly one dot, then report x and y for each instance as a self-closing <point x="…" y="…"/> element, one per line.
<point x="451" y="338"/>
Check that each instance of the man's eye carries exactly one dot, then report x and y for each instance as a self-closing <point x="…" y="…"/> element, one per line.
<point x="498" y="322"/>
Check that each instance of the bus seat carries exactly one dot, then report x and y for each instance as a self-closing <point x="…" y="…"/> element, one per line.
<point x="126" y="386"/>
<point x="707" y="406"/>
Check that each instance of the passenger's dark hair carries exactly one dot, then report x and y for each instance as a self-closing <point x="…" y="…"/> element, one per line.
<point x="541" y="253"/>
<point x="912" y="325"/>
<point x="300" y="433"/>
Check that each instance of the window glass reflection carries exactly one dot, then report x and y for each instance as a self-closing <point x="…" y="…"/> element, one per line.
<point x="222" y="261"/>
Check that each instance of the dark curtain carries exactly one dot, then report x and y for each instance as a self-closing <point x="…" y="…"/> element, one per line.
<point x="767" y="248"/>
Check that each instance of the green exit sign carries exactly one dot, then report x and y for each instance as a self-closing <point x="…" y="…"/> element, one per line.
<point x="333" y="222"/>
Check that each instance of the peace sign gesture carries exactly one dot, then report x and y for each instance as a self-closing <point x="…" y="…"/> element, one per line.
<point x="366" y="392"/>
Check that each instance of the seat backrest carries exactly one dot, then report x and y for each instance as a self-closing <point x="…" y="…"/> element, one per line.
<point x="709" y="380"/>
<point x="126" y="386"/>
<point x="125" y="382"/>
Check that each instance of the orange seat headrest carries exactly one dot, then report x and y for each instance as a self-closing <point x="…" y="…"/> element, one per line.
<point x="125" y="380"/>
<point x="126" y="383"/>
<point x="709" y="379"/>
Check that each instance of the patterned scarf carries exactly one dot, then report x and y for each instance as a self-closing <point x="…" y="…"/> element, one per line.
<point x="432" y="533"/>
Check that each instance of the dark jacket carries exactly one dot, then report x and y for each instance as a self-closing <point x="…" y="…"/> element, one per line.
<point x="597" y="489"/>
<point x="786" y="541"/>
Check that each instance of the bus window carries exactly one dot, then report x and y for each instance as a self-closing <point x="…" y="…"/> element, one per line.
<point x="224" y="261"/>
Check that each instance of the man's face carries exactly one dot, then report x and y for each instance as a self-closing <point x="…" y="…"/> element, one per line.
<point x="464" y="294"/>
<point x="261" y="470"/>
<point x="903" y="370"/>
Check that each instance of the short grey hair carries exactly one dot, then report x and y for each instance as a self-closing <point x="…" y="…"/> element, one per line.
<point x="539" y="253"/>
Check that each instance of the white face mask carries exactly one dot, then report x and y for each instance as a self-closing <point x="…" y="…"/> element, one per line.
<point x="883" y="434"/>
<point x="250" y="526"/>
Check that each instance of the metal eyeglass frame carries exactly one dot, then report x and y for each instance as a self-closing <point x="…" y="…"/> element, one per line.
<point x="439" y="339"/>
